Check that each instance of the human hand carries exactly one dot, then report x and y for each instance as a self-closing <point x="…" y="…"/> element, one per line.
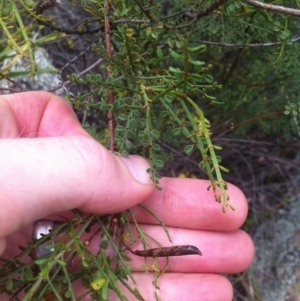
<point x="67" y="169"/>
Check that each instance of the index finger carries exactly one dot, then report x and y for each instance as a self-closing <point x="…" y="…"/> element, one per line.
<point x="187" y="203"/>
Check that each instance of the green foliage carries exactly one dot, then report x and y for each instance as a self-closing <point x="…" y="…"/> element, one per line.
<point x="16" y="41"/>
<point x="48" y="276"/>
<point x="172" y="72"/>
<point x="148" y="88"/>
<point x="292" y="108"/>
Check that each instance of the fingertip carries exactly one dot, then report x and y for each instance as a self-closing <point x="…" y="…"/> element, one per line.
<point x="238" y="201"/>
<point x="2" y="245"/>
<point x="195" y="287"/>
<point x="189" y="203"/>
<point x="249" y="251"/>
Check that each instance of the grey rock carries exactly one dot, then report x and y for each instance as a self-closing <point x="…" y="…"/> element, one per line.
<point x="277" y="258"/>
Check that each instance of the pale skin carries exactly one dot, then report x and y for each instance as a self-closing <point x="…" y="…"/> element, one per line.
<point x="50" y="165"/>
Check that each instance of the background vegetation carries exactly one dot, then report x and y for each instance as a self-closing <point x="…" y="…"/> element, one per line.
<point x="177" y="79"/>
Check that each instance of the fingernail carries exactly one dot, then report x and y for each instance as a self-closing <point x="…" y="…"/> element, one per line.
<point x="138" y="166"/>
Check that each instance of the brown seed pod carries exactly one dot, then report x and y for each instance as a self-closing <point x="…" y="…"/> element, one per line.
<point x="169" y="251"/>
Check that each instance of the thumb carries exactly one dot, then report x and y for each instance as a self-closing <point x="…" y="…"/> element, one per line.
<point x="49" y="175"/>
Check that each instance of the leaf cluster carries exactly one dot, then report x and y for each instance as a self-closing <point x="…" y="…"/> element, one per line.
<point x="164" y="69"/>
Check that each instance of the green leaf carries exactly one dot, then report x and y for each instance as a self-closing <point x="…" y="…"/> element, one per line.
<point x="196" y="63"/>
<point x="179" y="43"/>
<point x="124" y="153"/>
<point x="223" y="168"/>
<point x="238" y="4"/>
<point x="42" y="261"/>
<point x="85" y="281"/>
<point x="88" y="77"/>
<point x="9" y="284"/>
<point x="158" y="163"/>
<point x="120" y="128"/>
<point x="219" y="159"/>
<point x="84" y="264"/>
<point x="159" y="53"/>
<point x="74" y="77"/>
<point x="179" y="76"/>
<point x="175" y="55"/>
<point x="124" y="272"/>
<point x="124" y="11"/>
<point x="98" y="78"/>
<point x="104" y="243"/>
<point x="155" y="134"/>
<point x="123" y="117"/>
<point x="208" y="78"/>
<point x="117" y="104"/>
<point x="197" y="49"/>
<point x="118" y="38"/>
<point x="141" y="134"/>
<point x="104" y="291"/>
<point x="188" y="148"/>
<point x="175" y="70"/>
<point x="285" y="34"/>
<point x="170" y="42"/>
<point x="61" y="262"/>
<point x="169" y="99"/>
<point x="216" y="147"/>
<point x="230" y="8"/>
<point x="197" y="77"/>
<point x="177" y="131"/>
<point x="154" y="35"/>
<point x="128" y="143"/>
<point x="156" y="147"/>
<point x="201" y="165"/>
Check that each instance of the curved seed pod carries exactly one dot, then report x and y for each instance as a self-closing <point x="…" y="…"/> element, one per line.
<point x="169" y="251"/>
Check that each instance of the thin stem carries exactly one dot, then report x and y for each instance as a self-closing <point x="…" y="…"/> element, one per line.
<point x="158" y="219"/>
<point x="276" y="8"/>
<point x="108" y="47"/>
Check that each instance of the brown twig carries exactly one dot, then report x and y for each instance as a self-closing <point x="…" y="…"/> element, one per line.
<point x="67" y="82"/>
<point x="193" y="16"/>
<point x="234" y="65"/>
<point x="108" y="71"/>
<point x="67" y="30"/>
<point x="276" y="8"/>
<point x="12" y="81"/>
<point x="253" y="84"/>
<point x="145" y="11"/>
<point x="200" y="13"/>
<point x="253" y="45"/>
<point x="210" y="8"/>
<point x="232" y="127"/>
